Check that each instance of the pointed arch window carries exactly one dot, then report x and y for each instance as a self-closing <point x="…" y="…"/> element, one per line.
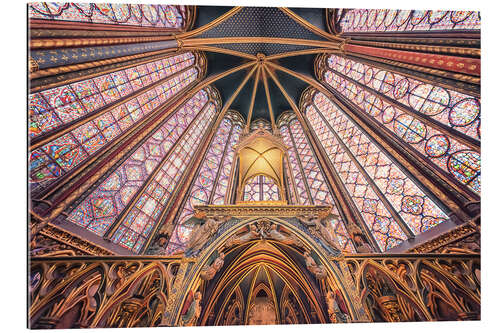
<point x="158" y="16"/>
<point x="390" y="20"/>
<point x="424" y="116"/>
<point x="308" y="179"/>
<point x="392" y="205"/>
<point x="80" y="120"/>
<point x="261" y="188"/>
<point x="142" y="185"/>
<point x="212" y="180"/>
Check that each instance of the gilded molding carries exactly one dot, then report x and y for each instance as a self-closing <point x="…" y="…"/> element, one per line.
<point x="91" y="64"/>
<point x="211" y="24"/>
<point x="219" y="50"/>
<point x="44" y="246"/>
<point x="37" y="33"/>
<point x="302" y="52"/>
<point x="441" y="41"/>
<point x="308" y="25"/>
<point x="252" y="100"/>
<point x="68" y="238"/>
<point x="466" y="66"/>
<point x="424" y="48"/>
<point x="450" y="83"/>
<point x="442" y="240"/>
<point x="438" y="72"/>
<point x="267" y="40"/>
<point x="261" y="209"/>
<point x="37" y="44"/>
<point x="32" y="65"/>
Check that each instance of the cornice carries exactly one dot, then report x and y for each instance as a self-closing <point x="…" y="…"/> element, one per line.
<point x="261" y="209"/>
<point x="451" y="236"/>
<point x="68" y="238"/>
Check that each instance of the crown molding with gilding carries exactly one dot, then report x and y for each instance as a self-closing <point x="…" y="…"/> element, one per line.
<point x="451" y="236"/>
<point x="261" y="209"/>
<point x="74" y="241"/>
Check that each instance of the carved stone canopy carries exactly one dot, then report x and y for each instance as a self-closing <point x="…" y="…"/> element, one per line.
<point x="260" y="153"/>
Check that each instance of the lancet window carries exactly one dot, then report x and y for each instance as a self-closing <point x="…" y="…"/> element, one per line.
<point x="211" y="184"/>
<point x="431" y="119"/>
<point x="128" y="203"/>
<point x="392" y="205"/>
<point x="72" y="123"/>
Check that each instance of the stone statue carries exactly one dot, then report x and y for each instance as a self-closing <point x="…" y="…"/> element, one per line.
<point x="190" y="317"/>
<point x="159" y="245"/>
<point x="326" y="233"/>
<point x="318" y="270"/>
<point x="306" y="220"/>
<point x="202" y="232"/>
<point x="332" y="306"/>
<point x="208" y="272"/>
<point x="335" y="311"/>
<point x="358" y="238"/>
<point x="273" y="233"/>
<point x="236" y="240"/>
<point x="316" y="227"/>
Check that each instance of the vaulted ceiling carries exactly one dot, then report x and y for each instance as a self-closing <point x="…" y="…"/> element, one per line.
<point x="249" y="31"/>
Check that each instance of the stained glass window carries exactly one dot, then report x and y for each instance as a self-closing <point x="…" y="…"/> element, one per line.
<point x="261" y="188"/>
<point x="309" y="178"/>
<point x="71" y="103"/>
<point x="382" y="192"/>
<point x="211" y="182"/>
<point x="296" y="172"/>
<point x="157" y="154"/>
<point x="378" y="92"/>
<point x="390" y="20"/>
<point x="137" y="225"/>
<point x="160" y="16"/>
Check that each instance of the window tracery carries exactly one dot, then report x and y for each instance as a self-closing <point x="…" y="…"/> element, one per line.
<point x="51" y="109"/>
<point x="212" y="180"/>
<point x="384" y="195"/>
<point x="160" y="16"/>
<point x="390" y="20"/>
<point x="308" y="177"/>
<point x="150" y="175"/>
<point x="378" y="93"/>
<point x="261" y="188"/>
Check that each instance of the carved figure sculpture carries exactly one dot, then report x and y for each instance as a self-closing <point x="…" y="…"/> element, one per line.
<point x="208" y="272"/>
<point x="201" y="233"/>
<point x="235" y="240"/>
<point x="325" y="233"/>
<point x="190" y="317"/>
<point x="318" y="270"/>
<point x="337" y="310"/>
<point x="358" y="238"/>
<point x="316" y="227"/>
